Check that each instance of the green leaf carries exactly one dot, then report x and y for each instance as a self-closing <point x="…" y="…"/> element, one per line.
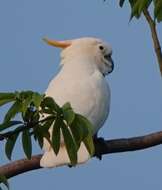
<point x="68" y="113"/>
<point x="144" y="4"/>
<point x="5" y="96"/>
<point x="38" y="135"/>
<point x="79" y="130"/>
<point x="56" y="135"/>
<point x="26" y="142"/>
<point x="25" y="94"/>
<point x="4" y="126"/>
<point x="85" y="123"/>
<point x="137" y="6"/>
<point x="40" y="140"/>
<point x="3" y="180"/>
<point x="121" y="2"/>
<point x="70" y="144"/>
<point x="9" y="146"/>
<point x="37" y="99"/>
<point x="135" y="9"/>
<point x="36" y="117"/>
<point x="158" y="10"/>
<point x="48" y="123"/>
<point x="88" y="140"/>
<point x="2" y="102"/>
<point x="14" y="109"/>
<point x="49" y="102"/>
<point x="43" y="129"/>
<point x="26" y="104"/>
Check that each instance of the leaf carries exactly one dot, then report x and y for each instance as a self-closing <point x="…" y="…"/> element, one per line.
<point x="50" y="103"/>
<point x="14" y="109"/>
<point x="3" y="180"/>
<point x="86" y="123"/>
<point x="144" y="4"/>
<point x="88" y="140"/>
<point x="43" y="130"/>
<point x="68" y="113"/>
<point x="5" y="101"/>
<point x="26" y="142"/>
<point x="121" y="2"/>
<point x="158" y="10"/>
<point x="70" y="144"/>
<point x="5" y="96"/>
<point x="40" y="140"/>
<point x="135" y="8"/>
<point x="38" y="135"/>
<point x="26" y="104"/>
<point x="4" y="126"/>
<point x="36" y="117"/>
<point x="48" y="123"/>
<point x="24" y="95"/>
<point x="79" y="131"/>
<point x="56" y="135"/>
<point x="9" y="146"/>
<point x="37" y="99"/>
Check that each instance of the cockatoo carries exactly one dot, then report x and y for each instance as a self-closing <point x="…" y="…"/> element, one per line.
<point x="81" y="81"/>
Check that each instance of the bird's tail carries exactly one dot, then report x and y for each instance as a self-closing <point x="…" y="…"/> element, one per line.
<point x="50" y="159"/>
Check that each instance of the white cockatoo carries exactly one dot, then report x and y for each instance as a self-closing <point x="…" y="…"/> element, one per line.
<point x="81" y="81"/>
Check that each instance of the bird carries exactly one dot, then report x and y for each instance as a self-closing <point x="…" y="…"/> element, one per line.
<point x="81" y="81"/>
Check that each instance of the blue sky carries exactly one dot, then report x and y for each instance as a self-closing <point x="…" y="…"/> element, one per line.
<point x="136" y="107"/>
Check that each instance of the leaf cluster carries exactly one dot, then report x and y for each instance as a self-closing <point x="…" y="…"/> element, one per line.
<point x="38" y="114"/>
<point x="138" y="6"/>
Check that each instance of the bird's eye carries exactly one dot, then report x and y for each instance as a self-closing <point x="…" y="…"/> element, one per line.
<point x="101" y="47"/>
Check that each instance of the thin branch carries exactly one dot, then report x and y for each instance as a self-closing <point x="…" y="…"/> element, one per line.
<point x="101" y="146"/>
<point x="157" y="47"/>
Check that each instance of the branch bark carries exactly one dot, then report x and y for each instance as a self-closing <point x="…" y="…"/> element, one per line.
<point x="157" y="47"/>
<point x="101" y="147"/>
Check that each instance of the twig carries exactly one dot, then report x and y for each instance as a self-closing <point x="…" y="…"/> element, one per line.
<point x="101" y="147"/>
<point x="157" y="47"/>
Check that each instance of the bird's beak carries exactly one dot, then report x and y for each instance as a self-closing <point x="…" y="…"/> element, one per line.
<point x="60" y="44"/>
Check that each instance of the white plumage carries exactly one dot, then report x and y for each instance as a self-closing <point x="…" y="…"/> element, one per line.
<point x="81" y="82"/>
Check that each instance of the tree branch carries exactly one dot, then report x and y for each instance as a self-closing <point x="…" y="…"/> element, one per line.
<point x="101" y="147"/>
<point x="155" y="39"/>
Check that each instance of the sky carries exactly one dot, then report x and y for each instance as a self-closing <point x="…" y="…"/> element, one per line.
<point x="136" y="86"/>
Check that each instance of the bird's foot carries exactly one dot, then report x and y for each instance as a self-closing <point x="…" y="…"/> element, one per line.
<point x="70" y="166"/>
<point x="100" y="141"/>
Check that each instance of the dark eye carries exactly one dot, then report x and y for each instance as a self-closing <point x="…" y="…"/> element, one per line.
<point x="101" y="47"/>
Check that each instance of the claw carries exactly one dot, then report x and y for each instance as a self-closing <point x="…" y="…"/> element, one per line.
<point x="99" y="140"/>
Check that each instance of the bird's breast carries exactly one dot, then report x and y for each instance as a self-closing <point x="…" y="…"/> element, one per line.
<point x="88" y="95"/>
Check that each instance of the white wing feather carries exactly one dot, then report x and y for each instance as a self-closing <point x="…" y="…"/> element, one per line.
<point x="89" y="95"/>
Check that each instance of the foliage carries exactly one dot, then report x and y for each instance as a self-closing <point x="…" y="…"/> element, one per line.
<point x="3" y="180"/>
<point x="38" y="113"/>
<point x="138" y="6"/>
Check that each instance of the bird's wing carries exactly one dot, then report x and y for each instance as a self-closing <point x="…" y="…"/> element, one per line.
<point x="87" y="99"/>
<point x="78" y="92"/>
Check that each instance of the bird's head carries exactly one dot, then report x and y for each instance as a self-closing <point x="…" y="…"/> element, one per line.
<point x="91" y="50"/>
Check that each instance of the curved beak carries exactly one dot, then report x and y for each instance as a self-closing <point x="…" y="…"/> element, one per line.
<point x="59" y="44"/>
<point x="112" y="65"/>
<point x="109" y="58"/>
